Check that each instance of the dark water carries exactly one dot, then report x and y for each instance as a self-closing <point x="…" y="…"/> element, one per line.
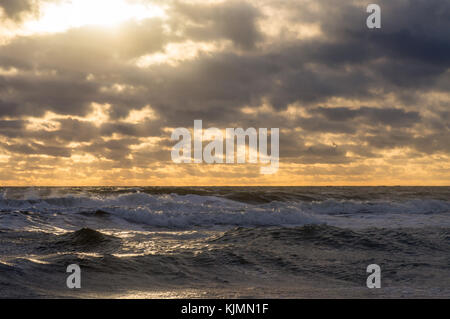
<point x="225" y="241"/>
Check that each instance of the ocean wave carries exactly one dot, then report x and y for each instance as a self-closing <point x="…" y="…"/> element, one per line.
<point x="405" y="240"/>
<point x="308" y="257"/>
<point x="414" y="206"/>
<point x="191" y="210"/>
<point x="84" y="237"/>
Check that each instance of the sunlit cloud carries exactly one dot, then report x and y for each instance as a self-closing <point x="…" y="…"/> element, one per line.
<point x="90" y="91"/>
<point x="175" y="53"/>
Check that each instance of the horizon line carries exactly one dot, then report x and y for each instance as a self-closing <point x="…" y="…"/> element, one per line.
<point x="130" y="186"/>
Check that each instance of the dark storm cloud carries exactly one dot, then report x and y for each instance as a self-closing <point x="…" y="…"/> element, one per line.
<point x="218" y="85"/>
<point x="227" y="80"/>
<point x="70" y="130"/>
<point x="384" y="116"/>
<point x="116" y="150"/>
<point x="295" y="150"/>
<point x="12" y="128"/>
<point x="213" y="88"/>
<point x="34" y="148"/>
<point x="426" y="143"/>
<point x="350" y="60"/>
<point x="410" y="55"/>
<point x="86" y="131"/>
<point x="411" y="50"/>
<point x="14" y="8"/>
<point x="145" y="129"/>
<point x="55" y="69"/>
<point x="34" y="95"/>
<point x="233" y="20"/>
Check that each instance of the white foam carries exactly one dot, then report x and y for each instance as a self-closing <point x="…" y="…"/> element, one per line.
<point x="184" y="211"/>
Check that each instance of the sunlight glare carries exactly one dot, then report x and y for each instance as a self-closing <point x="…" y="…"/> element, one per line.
<point x="58" y="17"/>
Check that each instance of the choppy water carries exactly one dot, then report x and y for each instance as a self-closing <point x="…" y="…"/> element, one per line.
<point x="225" y="242"/>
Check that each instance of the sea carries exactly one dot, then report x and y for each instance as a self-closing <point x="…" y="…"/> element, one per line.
<point x="225" y="242"/>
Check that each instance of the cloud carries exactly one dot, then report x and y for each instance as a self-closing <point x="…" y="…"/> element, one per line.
<point x="233" y="20"/>
<point x="384" y="116"/>
<point x="34" y="148"/>
<point x="344" y="95"/>
<point x="18" y="10"/>
<point x="14" y="8"/>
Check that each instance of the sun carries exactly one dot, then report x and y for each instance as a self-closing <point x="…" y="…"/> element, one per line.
<point x="61" y="16"/>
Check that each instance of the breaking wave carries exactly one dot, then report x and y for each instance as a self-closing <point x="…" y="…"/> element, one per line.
<point x="284" y="241"/>
<point x="191" y="210"/>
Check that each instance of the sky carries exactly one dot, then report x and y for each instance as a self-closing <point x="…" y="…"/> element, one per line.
<point x="90" y="90"/>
